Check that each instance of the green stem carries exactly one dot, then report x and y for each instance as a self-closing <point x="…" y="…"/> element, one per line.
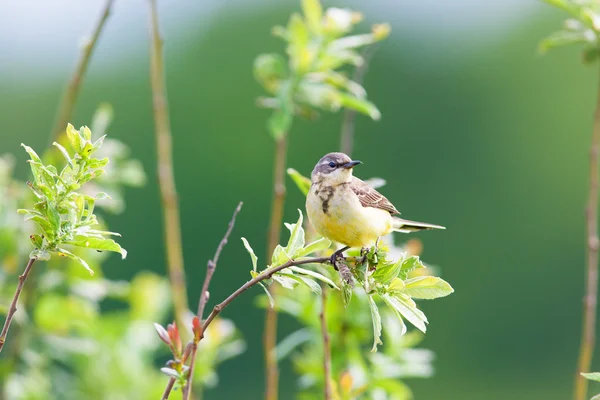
<point x="277" y="204"/>
<point x="588" y="336"/>
<point x="166" y="179"/>
<point x="67" y="104"/>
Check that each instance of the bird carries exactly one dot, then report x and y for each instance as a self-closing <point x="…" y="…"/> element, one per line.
<point x="346" y="210"/>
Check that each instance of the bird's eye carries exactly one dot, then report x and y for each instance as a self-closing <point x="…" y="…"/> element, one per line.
<point x="332" y="164"/>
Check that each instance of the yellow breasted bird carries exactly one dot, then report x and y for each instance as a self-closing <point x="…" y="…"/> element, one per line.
<point x="347" y="210"/>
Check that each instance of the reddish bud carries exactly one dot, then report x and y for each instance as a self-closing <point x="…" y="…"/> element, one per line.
<point x="197" y="329"/>
<point x="175" y="338"/>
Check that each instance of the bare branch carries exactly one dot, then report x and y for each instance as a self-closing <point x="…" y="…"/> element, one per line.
<point x="13" y="304"/>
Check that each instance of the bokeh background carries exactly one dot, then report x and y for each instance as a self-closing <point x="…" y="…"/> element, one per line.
<point x="479" y="133"/>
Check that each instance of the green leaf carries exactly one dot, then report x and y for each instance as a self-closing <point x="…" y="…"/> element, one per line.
<point x="593" y="376"/>
<point x="312" y="285"/>
<point x="39" y="254"/>
<point x="404" y="307"/>
<point x="97" y="243"/>
<point x="271" y="300"/>
<point x="66" y="253"/>
<point x="288" y="281"/>
<point x="361" y="105"/>
<point x="427" y="287"/>
<point x="314" y="247"/>
<point x="32" y="154"/>
<point x="279" y="256"/>
<point x="279" y="123"/>
<point x="301" y="181"/>
<point x="313" y="12"/>
<point x="347" y="291"/>
<point x="74" y="137"/>
<point x="397" y="285"/>
<point x="65" y="154"/>
<point x="408" y="265"/>
<point x="251" y="252"/>
<point x="315" y="275"/>
<point x="376" y="318"/>
<point x="295" y="244"/>
<point x="565" y="38"/>
<point x="387" y="272"/>
<point x="292" y="342"/>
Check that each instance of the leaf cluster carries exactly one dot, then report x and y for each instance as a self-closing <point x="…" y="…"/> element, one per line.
<point x="63" y="214"/>
<point x="318" y="46"/>
<point x="583" y="27"/>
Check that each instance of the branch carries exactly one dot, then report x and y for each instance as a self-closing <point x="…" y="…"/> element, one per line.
<point x="13" y="304"/>
<point x="267" y="274"/>
<point x="326" y="345"/>
<point x="67" y="104"/>
<point x="588" y="337"/>
<point x="347" y="136"/>
<point x="210" y="270"/>
<point x="166" y="179"/>
<point x="270" y="335"/>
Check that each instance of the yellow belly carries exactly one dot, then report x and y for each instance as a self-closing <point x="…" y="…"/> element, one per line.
<point x="346" y="220"/>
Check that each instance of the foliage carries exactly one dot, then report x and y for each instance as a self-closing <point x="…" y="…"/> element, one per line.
<point x="318" y="46"/>
<point x="379" y="292"/>
<point x="592" y="376"/>
<point x="582" y="28"/>
<point x="75" y="335"/>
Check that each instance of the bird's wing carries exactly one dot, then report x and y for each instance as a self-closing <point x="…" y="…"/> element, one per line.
<point x="370" y="197"/>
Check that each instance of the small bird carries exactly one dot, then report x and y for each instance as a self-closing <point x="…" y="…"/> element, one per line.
<point x="347" y="210"/>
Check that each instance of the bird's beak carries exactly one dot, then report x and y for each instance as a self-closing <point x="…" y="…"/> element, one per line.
<point x="351" y="164"/>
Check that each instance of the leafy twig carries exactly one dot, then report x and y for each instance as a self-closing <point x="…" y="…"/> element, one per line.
<point x="348" y="123"/>
<point x="270" y="335"/>
<point x="210" y="270"/>
<point x="267" y="274"/>
<point x="69" y="99"/>
<point x="326" y="345"/>
<point x="13" y="304"/>
<point x="588" y="337"/>
<point x="166" y="177"/>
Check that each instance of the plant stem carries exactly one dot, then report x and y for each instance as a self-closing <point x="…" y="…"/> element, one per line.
<point x="166" y="179"/>
<point x="13" y="304"/>
<point x="326" y="345"/>
<point x="347" y="136"/>
<point x="588" y="336"/>
<point x="267" y="274"/>
<point x="67" y="104"/>
<point x="270" y="334"/>
<point x="210" y="270"/>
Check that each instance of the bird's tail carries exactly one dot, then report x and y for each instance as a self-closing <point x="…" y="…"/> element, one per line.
<point x="407" y="226"/>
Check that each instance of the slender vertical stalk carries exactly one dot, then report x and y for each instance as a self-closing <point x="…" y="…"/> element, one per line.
<point x="270" y="334"/>
<point x="13" y="305"/>
<point x="588" y="337"/>
<point x="326" y="345"/>
<point x="166" y="179"/>
<point x="347" y="135"/>
<point x="67" y="104"/>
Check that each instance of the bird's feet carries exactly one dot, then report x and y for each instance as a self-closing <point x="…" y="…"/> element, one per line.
<point x="336" y="255"/>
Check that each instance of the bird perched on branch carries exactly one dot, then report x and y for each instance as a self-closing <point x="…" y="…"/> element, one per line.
<point x="347" y="210"/>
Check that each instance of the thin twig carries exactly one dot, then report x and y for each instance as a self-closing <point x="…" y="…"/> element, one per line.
<point x="267" y="274"/>
<point x="326" y="344"/>
<point x="270" y="334"/>
<point x="210" y="270"/>
<point x="67" y="104"/>
<point x="347" y="136"/>
<point x="166" y="179"/>
<point x="13" y="304"/>
<point x="588" y="336"/>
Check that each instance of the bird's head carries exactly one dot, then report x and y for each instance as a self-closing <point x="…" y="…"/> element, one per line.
<point x="333" y="169"/>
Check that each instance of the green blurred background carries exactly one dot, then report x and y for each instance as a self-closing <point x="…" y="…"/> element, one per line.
<point x="479" y="133"/>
